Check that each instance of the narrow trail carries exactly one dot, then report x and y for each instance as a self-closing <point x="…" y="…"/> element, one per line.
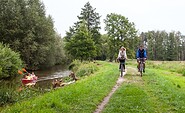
<point x="133" y="72"/>
<point x="106" y="99"/>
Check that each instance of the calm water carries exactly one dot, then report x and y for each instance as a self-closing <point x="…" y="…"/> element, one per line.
<point x="45" y="77"/>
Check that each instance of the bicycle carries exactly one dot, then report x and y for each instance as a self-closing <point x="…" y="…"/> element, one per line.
<point x="122" y="68"/>
<point x="141" y="66"/>
<point x="122" y="65"/>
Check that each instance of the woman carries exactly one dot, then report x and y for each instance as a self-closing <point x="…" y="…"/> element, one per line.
<point x="122" y="56"/>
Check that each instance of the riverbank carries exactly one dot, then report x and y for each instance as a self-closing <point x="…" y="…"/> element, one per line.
<point x="12" y="90"/>
<point x="157" y="91"/>
<point x="83" y="96"/>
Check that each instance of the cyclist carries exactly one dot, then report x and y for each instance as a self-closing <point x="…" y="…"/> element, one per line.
<point x="141" y="54"/>
<point x="122" y="56"/>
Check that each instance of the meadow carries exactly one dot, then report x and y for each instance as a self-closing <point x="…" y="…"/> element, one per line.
<point x="161" y="89"/>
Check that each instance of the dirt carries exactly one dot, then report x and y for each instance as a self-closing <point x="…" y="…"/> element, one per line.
<point x="133" y="72"/>
<point x="106" y="99"/>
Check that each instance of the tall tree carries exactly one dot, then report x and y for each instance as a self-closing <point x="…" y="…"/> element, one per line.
<point x="25" y="27"/>
<point x="91" y="19"/>
<point x="171" y="47"/>
<point x="164" y="46"/>
<point x="120" y="30"/>
<point x="81" y="46"/>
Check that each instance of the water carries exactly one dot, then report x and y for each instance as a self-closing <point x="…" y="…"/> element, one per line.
<point x="45" y="78"/>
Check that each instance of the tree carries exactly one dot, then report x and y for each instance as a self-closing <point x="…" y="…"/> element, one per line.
<point x="164" y="46"/>
<point x="25" y="27"/>
<point x="91" y="19"/>
<point x="81" y="45"/>
<point x="119" y="30"/>
<point x="10" y="62"/>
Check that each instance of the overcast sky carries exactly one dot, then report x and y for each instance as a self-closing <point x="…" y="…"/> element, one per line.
<point x="168" y="15"/>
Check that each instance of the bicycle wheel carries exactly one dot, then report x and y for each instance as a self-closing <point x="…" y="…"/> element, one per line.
<point x="121" y="70"/>
<point x="141" y="69"/>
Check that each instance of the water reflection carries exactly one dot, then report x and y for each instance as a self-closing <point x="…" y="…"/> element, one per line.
<point x="45" y="77"/>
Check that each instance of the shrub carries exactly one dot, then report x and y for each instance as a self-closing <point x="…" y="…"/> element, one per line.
<point x="10" y="62"/>
<point x="83" y="68"/>
<point x="183" y="73"/>
<point x="86" y="69"/>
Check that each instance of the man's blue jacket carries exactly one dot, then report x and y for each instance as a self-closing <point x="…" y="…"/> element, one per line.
<point x="141" y="53"/>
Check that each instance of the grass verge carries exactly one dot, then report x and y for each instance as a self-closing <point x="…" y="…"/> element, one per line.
<point x="81" y="97"/>
<point x="157" y="91"/>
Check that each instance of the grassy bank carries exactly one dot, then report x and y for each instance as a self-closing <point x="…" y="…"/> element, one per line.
<point x="160" y="90"/>
<point x="81" y="97"/>
<point x="173" y="66"/>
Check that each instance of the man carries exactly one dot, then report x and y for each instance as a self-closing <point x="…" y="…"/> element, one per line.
<point x="141" y="54"/>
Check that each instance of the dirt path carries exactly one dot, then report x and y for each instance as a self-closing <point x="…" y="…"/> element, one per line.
<point x="133" y="72"/>
<point x="106" y="99"/>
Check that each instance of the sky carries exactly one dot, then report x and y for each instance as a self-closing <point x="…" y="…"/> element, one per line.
<point x="147" y="15"/>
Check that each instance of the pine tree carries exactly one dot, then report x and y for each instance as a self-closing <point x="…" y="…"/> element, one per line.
<point x="81" y="46"/>
<point x="92" y="21"/>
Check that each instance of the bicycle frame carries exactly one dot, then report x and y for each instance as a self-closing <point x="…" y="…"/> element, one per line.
<point x="122" y="68"/>
<point x="141" y="67"/>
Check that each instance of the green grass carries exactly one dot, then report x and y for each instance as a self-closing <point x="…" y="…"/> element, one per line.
<point x="173" y="66"/>
<point x="159" y="91"/>
<point x="81" y="97"/>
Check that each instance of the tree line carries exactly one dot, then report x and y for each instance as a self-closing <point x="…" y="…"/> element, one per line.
<point x="164" y="46"/>
<point x="85" y="42"/>
<point x="160" y="45"/>
<point x="26" y="29"/>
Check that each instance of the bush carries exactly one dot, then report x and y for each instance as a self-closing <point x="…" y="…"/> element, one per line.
<point x="6" y="96"/>
<point x="83" y="68"/>
<point x="183" y="73"/>
<point x="10" y="62"/>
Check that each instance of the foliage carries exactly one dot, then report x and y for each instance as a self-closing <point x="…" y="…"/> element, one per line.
<point x="81" y="45"/>
<point x="183" y="73"/>
<point x="121" y="32"/>
<point x="10" y="62"/>
<point x="78" y="96"/>
<point x="11" y="96"/>
<point x="157" y="91"/>
<point x="164" y="46"/>
<point x="91" y="20"/>
<point x="104" y="47"/>
<point x="83" y="68"/>
<point x="25" y="27"/>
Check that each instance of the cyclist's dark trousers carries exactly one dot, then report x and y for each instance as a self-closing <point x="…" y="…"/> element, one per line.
<point x="143" y="64"/>
<point x="122" y="61"/>
<point x="139" y="66"/>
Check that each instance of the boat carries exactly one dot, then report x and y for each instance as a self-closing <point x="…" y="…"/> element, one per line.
<point x="29" y="80"/>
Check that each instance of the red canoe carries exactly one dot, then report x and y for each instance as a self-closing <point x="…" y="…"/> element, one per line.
<point x="27" y="81"/>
